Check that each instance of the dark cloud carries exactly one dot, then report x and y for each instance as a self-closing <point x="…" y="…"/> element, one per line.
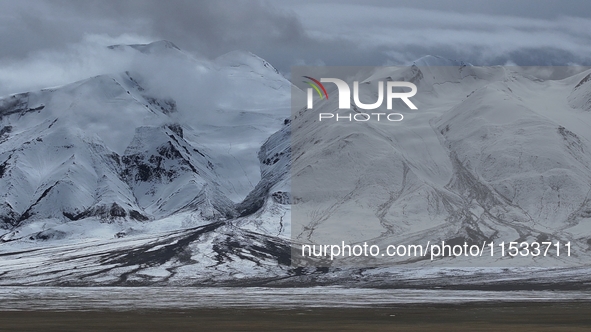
<point x="208" y="27"/>
<point x="546" y="9"/>
<point x="286" y="33"/>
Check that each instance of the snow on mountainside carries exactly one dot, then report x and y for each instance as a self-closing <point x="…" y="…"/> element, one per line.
<point x="490" y="154"/>
<point x="180" y="171"/>
<point x="121" y="148"/>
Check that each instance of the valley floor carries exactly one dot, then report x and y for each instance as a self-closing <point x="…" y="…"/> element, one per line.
<point x="562" y="316"/>
<point x="325" y="308"/>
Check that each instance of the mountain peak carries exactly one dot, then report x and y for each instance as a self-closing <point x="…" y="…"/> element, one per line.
<point x="154" y="47"/>
<point x="434" y="60"/>
<point x="240" y="58"/>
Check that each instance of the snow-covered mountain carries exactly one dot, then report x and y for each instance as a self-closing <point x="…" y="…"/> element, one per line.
<point x="491" y="154"/>
<point x="120" y="148"/>
<point x="186" y="171"/>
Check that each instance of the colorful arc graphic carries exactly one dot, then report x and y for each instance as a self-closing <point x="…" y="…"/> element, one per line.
<point x="317" y="86"/>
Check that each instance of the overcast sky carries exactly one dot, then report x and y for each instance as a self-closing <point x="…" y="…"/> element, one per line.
<point x="287" y="33"/>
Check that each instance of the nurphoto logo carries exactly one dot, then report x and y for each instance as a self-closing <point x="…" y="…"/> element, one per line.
<point x="344" y="92"/>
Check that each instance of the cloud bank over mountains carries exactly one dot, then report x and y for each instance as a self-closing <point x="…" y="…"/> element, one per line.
<point x="36" y="33"/>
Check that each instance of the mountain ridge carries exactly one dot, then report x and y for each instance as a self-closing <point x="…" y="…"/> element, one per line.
<point x="192" y="171"/>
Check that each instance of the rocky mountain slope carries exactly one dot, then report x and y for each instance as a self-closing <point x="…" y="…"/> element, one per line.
<point x="189" y="172"/>
<point x="491" y="154"/>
